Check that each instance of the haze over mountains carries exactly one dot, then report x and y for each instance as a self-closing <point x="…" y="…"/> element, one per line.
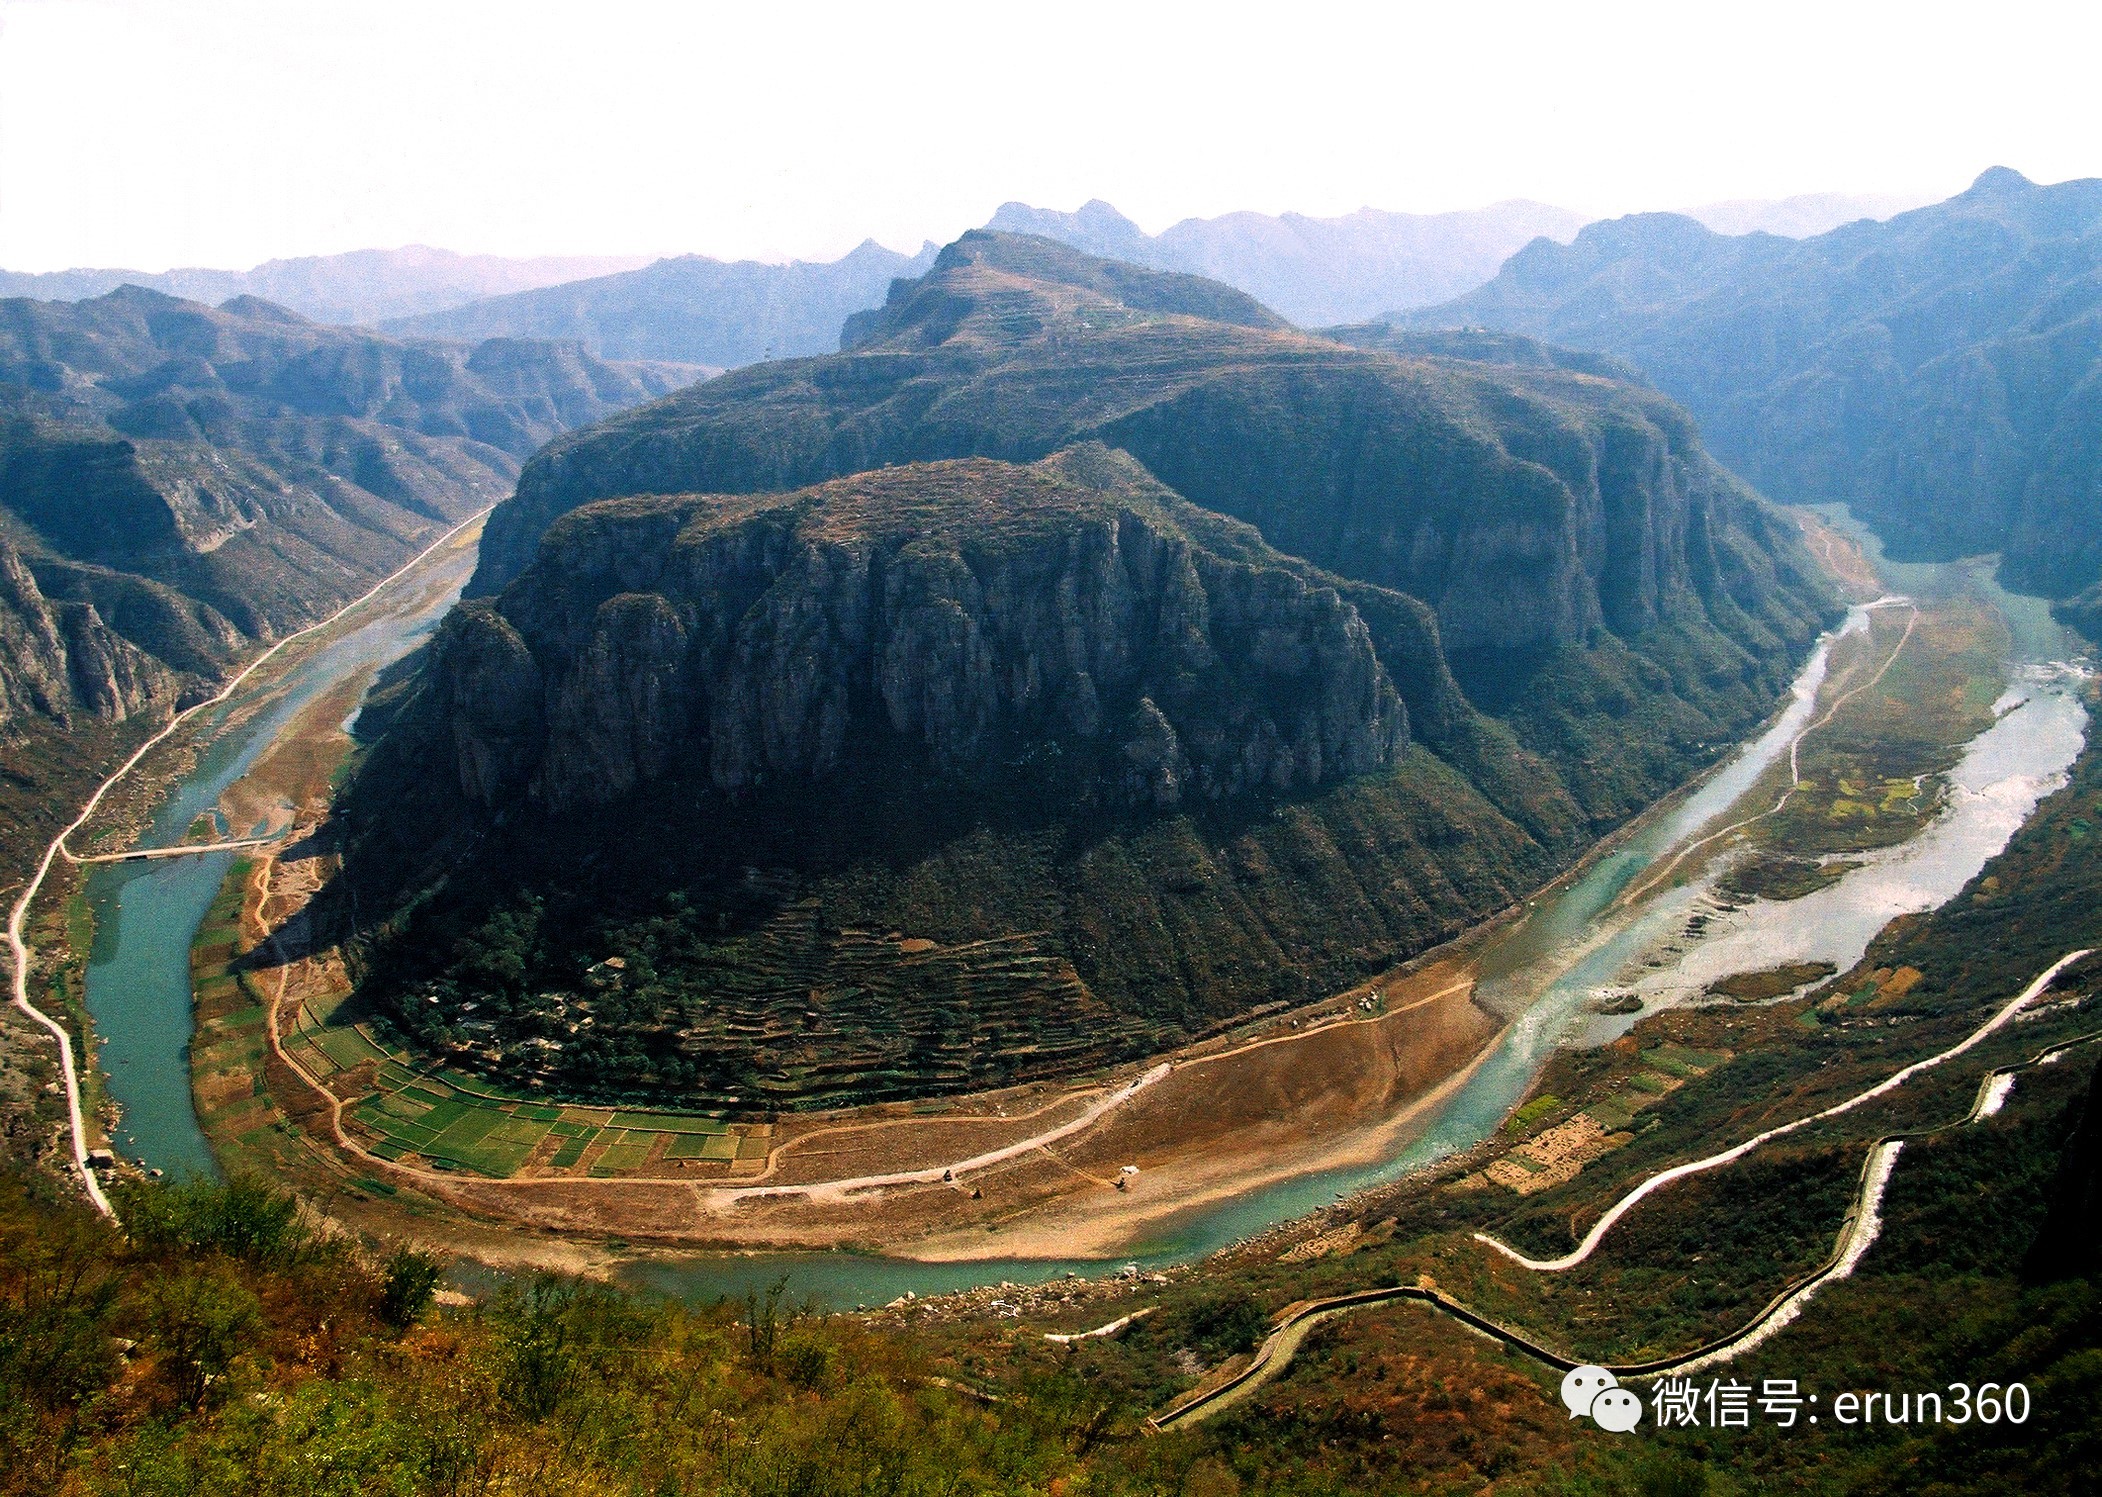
<point x="1087" y="622"/>
<point x="364" y="286"/>
<point x="691" y="309"/>
<point x="718" y="314"/>
<point x="177" y="482"/>
<point x="1315" y="271"/>
<point x="1804" y="215"/>
<point x="1941" y="372"/>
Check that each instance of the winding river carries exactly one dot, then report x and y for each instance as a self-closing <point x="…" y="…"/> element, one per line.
<point x="147" y="913"/>
<point x="1540" y="970"/>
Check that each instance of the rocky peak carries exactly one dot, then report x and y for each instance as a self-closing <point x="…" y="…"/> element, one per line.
<point x="972" y="613"/>
<point x="60" y="661"/>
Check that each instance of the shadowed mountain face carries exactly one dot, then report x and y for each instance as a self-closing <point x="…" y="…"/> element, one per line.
<point x="1940" y="372"/>
<point x="1528" y="507"/>
<point x="1065" y="668"/>
<point x="177" y="480"/>
<point x="690" y="310"/>
<point x="968" y="610"/>
<point x="1314" y="270"/>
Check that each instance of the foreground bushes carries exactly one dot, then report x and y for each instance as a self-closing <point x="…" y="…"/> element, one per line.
<point x="220" y="1343"/>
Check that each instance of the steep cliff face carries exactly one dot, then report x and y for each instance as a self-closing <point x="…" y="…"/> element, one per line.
<point x="1528" y="506"/>
<point x="1109" y="767"/>
<point x="902" y="723"/>
<point x="1938" y="371"/>
<point x="973" y="612"/>
<point x="59" y="660"/>
<point x="178" y="481"/>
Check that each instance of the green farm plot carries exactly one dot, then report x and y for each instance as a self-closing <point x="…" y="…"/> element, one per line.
<point x="668" y="1122"/>
<point x="623" y="1157"/>
<point x="461" y="1124"/>
<point x="1615" y="1113"/>
<point x="347" y="1047"/>
<point x="1683" y="1061"/>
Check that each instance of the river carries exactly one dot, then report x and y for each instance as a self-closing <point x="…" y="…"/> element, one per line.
<point x="147" y="913"/>
<point x="1540" y="970"/>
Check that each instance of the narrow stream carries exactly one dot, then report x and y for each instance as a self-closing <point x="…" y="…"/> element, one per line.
<point x="1541" y="970"/>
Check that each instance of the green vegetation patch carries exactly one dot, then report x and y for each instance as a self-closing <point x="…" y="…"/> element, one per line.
<point x="1533" y="1112"/>
<point x="1615" y="1112"/>
<point x="669" y="1122"/>
<point x="1759" y="987"/>
<point x="347" y="1047"/>
<point x="1683" y="1060"/>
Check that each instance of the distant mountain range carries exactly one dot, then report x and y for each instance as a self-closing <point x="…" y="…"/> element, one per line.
<point x="691" y="309"/>
<point x="364" y="286"/>
<point x="1803" y="216"/>
<point x="1941" y="372"/>
<point x="1313" y="270"/>
<point x="1316" y="271"/>
<point x="721" y="314"/>
<point x="177" y="481"/>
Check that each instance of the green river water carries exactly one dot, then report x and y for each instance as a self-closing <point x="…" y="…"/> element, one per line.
<point x="1539" y="970"/>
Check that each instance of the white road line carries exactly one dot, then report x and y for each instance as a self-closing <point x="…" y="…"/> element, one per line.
<point x="1663" y="1178"/>
<point x="935" y="1174"/>
<point x="18" y="949"/>
<point x="140" y="855"/>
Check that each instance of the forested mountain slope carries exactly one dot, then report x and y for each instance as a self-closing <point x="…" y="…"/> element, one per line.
<point x="1941" y="372"/>
<point x="1080" y="659"/>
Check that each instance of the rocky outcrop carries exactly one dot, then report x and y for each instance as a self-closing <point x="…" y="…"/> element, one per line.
<point x="263" y="465"/>
<point x="971" y="613"/>
<point x="178" y="482"/>
<point x="783" y="685"/>
<point x="1939" y="372"/>
<point x="1530" y="507"/>
<point x="60" y="661"/>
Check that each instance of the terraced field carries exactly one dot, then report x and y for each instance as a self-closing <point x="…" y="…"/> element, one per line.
<point x="403" y="1108"/>
<point x="445" y="1120"/>
<point x="800" y="1014"/>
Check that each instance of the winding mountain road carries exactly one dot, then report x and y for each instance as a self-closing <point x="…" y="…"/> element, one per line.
<point x="1857" y="1234"/>
<point x="1662" y="1178"/>
<point x="19" y="953"/>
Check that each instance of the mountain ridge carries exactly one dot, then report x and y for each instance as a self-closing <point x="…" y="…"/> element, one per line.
<point x="1085" y="620"/>
<point x="357" y="287"/>
<point x="177" y="481"/>
<point x="1938" y="371"/>
<point x="689" y="309"/>
<point x="1314" y="271"/>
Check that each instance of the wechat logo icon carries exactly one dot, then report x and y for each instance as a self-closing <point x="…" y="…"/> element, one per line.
<point x="1595" y="1391"/>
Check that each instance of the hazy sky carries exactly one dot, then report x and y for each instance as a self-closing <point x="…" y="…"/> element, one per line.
<point x="150" y="133"/>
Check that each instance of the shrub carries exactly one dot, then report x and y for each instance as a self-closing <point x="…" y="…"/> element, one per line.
<point x="1223" y="1324"/>
<point x="408" y="1279"/>
<point x="199" y="1321"/>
